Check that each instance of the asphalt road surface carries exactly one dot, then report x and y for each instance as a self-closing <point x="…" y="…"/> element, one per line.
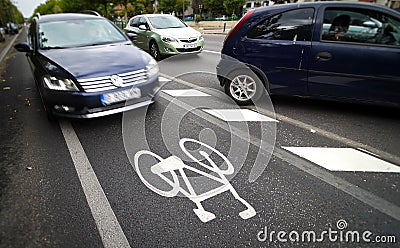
<point x="301" y="172"/>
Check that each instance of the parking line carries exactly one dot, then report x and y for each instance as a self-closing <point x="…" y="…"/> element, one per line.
<point x="107" y="224"/>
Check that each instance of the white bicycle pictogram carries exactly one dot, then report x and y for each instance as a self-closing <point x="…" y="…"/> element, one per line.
<point x="174" y="163"/>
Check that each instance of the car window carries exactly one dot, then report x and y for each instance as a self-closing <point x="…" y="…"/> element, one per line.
<point x="291" y="25"/>
<point x="134" y="22"/>
<point x="31" y="35"/>
<point x="167" y="21"/>
<point x="73" y="33"/>
<point x="360" y="26"/>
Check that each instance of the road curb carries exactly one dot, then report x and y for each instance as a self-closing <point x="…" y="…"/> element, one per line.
<point x="5" y="51"/>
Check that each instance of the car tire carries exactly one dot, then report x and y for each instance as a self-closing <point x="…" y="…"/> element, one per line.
<point x="154" y="51"/>
<point x="244" y="87"/>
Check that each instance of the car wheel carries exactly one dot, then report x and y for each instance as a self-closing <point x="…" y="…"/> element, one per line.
<point x="154" y="51"/>
<point x="244" y="86"/>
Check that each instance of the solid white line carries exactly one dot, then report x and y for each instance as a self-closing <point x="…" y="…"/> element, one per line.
<point x="209" y="51"/>
<point x="107" y="224"/>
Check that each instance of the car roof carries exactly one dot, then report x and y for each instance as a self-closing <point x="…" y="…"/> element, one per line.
<point x="323" y="3"/>
<point x="154" y="15"/>
<point x="66" y="16"/>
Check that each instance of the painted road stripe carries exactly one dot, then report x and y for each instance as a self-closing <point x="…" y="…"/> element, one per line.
<point x="188" y="92"/>
<point x="355" y="191"/>
<point x="343" y="159"/>
<point x="163" y="80"/>
<point x="209" y="51"/>
<point x="107" y="224"/>
<point x="238" y="115"/>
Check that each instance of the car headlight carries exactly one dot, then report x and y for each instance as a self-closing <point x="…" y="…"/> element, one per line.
<point x="168" y="39"/>
<point x="63" y="84"/>
<point x="152" y="68"/>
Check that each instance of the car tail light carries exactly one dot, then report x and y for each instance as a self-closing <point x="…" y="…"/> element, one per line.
<point x="239" y="23"/>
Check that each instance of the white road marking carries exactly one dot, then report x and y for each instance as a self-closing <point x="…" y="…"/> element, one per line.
<point x="362" y="195"/>
<point x="209" y="51"/>
<point x="187" y="92"/>
<point x="107" y="224"/>
<point x="163" y="80"/>
<point x="174" y="164"/>
<point x="343" y="159"/>
<point x="238" y="115"/>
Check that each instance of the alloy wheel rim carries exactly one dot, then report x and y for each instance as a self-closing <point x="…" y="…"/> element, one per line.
<point x="154" y="50"/>
<point x="243" y="87"/>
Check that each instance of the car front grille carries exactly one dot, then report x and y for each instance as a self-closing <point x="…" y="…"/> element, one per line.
<point x="188" y="50"/>
<point x="105" y="83"/>
<point x="188" y="40"/>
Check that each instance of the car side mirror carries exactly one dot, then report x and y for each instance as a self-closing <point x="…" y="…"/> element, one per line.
<point x="23" y="47"/>
<point x="131" y="36"/>
<point x="142" y="27"/>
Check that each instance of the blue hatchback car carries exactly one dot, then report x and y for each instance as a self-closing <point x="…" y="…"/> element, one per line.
<point x="329" y="50"/>
<point x="85" y="67"/>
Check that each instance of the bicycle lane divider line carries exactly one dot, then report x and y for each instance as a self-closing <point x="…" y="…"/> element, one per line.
<point x="355" y="144"/>
<point x="362" y="195"/>
<point x="5" y="51"/>
<point x="107" y="224"/>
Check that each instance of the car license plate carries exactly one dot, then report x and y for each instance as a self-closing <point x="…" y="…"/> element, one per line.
<point x="119" y="96"/>
<point x="193" y="45"/>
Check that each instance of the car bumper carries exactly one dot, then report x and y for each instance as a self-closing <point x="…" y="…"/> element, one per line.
<point x="178" y="48"/>
<point x="89" y="105"/>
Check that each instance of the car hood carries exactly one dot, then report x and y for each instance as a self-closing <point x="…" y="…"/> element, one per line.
<point x="178" y="32"/>
<point x="97" y="61"/>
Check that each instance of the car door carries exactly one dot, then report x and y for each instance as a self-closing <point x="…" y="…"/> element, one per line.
<point x="280" y="45"/>
<point x="359" y="63"/>
<point x="143" y="35"/>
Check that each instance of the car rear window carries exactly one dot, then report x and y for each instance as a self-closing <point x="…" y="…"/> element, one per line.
<point x="291" y="25"/>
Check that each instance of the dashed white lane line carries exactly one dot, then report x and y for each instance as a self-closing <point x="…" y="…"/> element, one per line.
<point x="185" y="93"/>
<point x="238" y="115"/>
<point x="343" y="159"/>
<point x="209" y="51"/>
<point x="107" y="224"/>
<point x="163" y="80"/>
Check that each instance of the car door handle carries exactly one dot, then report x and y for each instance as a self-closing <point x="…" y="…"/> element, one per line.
<point x="324" y="56"/>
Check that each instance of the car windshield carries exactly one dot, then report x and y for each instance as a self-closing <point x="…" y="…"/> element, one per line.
<point x="77" y="33"/>
<point x="167" y="21"/>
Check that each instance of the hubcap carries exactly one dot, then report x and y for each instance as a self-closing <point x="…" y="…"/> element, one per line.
<point x="243" y="87"/>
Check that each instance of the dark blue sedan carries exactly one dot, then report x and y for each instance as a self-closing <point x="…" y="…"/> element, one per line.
<point x="85" y="67"/>
<point x="329" y="50"/>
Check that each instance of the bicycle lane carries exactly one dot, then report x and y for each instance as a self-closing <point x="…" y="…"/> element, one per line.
<point x="284" y="197"/>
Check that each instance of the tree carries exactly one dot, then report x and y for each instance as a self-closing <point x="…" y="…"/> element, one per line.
<point x="234" y="6"/>
<point x="216" y="7"/>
